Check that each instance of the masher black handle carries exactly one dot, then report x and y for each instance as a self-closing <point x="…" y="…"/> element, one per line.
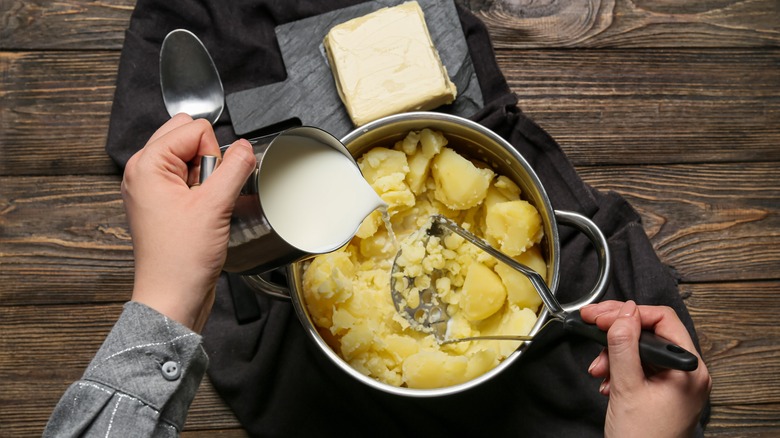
<point x="653" y="349"/>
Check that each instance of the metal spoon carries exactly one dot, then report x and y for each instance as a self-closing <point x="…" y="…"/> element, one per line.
<point x="188" y="77"/>
<point x="430" y="314"/>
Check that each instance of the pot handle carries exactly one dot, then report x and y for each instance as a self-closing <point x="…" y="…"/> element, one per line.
<point x="596" y="237"/>
<point x="260" y="284"/>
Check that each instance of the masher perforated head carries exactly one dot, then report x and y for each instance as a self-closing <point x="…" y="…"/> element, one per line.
<point x="418" y="272"/>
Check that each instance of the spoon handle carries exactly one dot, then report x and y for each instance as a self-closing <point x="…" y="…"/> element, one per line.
<point x="207" y="165"/>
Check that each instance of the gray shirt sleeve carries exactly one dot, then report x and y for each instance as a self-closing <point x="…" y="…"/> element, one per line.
<point x="140" y="383"/>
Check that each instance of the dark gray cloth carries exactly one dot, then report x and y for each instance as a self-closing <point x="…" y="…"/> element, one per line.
<point x="140" y="383"/>
<point x="265" y="367"/>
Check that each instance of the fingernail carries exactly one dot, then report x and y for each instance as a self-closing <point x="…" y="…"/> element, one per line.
<point x="245" y="142"/>
<point x="594" y="363"/>
<point x="628" y="309"/>
<point x="604" y="387"/>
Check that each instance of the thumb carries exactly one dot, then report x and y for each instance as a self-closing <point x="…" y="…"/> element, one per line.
<point x="237" y="164"/>
<point x="625" y="367"/>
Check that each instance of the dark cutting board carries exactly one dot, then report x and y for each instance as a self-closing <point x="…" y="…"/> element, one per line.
<point x="309" y="92"/>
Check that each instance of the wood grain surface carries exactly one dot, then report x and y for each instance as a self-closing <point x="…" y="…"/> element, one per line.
<point x="673" y="104"/>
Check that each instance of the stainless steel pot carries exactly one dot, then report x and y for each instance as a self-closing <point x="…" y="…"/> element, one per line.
<point x="476" y="141"/>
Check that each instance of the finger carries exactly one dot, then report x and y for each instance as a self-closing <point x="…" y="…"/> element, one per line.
<point x="625" y="367"/>
<point x="665" y="323"/>
<point x="660" y="319"/>
<point x="230" y="176"/>
<point x="174" y="122"/>
<point x="590" y="312"/>
<point x="187" y="141"/>
<point x="604" y="387"/>
<point x="599" y="368"/>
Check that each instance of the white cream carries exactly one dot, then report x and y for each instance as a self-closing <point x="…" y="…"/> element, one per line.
<point x="313" y="196"/>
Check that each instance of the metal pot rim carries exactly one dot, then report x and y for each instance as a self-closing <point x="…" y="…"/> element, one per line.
<point x="400" y="124"/>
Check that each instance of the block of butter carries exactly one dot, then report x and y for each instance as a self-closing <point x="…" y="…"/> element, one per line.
<point x="385" y="63"/>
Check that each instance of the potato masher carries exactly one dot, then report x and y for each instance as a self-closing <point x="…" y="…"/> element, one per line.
<point x="429" y="314"/>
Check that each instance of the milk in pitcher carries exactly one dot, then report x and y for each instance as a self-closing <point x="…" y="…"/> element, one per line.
<point x="314" y="196"/>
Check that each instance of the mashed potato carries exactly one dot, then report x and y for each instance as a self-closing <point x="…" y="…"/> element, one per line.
<point x="347" y="292"/>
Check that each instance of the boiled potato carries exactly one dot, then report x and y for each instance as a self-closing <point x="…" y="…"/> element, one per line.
<point x="507" y="187"/>
<point x="495" y="196"/>
<point x="373" y="302"/>
<point x="370" y="225"/>
<point x="357" y="340"/>
<point x="459" y="183"/>
<point x="343" y="321"/>
<point x="419" y="168"/>
<point x="347" y="292"/>
<point x="381" y="162"/>
<point x="519" y="289"/>
<point x="432" y="142"/>
<point x="326" y="282"/>
<point x="501" y="190"/>
<point x="480" y="362"/>
<point x="376" y="365"/>
<point x="377" y="246"/>
<point x="419" y="158"/>
<point x="513" y="320"/>
<point x="459" y="327"/>
<point x="483" y="293"/>
<point x="385" y="170"/>
<point x="400" y="347"/>
<point x="434" y="369"/>
<point x="513" y="226"/>
<point x="410" y="144"/>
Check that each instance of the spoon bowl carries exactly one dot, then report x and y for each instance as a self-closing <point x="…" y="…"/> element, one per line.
<point x="189" y="79"/>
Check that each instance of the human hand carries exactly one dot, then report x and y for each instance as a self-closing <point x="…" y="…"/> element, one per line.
<point x="644" y="402"/>
<point x="180" y="234"/>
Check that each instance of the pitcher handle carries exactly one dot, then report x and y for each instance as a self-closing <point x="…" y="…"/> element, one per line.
<point x="258" y="283"/>
<point x="596" y="237"/>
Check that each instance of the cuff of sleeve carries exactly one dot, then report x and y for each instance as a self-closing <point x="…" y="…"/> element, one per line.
<point x="153" y="359"/>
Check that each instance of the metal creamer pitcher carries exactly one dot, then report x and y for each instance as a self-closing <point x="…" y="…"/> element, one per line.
<point x="262" y="235"/>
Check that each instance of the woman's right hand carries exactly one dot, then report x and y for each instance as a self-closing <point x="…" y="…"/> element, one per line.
<point x="180" y="233"/>
<point x="645" y="403"/>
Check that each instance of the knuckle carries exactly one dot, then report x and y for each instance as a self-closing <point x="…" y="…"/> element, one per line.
<point x="182" y="116"/>
<point x="202" y="124"/>
<point x="668" y="311"/>
<point x="620" y="335"/>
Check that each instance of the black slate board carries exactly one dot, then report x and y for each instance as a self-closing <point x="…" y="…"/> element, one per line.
<point x="309" y="93"/>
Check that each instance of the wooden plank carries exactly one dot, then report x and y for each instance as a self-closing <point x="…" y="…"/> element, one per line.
<point x="65" y="239"/>
<point x="711" y="222"/>
<point x="737" y="329"/>
<point x="209" y="412"/>
<point x="710" y="97"/>
<point x="644" y="106"/>
<point x="603" y="107"/>
<point x="744" y="421"/>
<point x="85" y="24"/>
<point x="68" y="24"/>
<point x="227" y="433"/>
<point x="630" y="23"/>
<point x="738" y="332"/>
<point x="55" y="110"/>
<point x="58" y="343"/>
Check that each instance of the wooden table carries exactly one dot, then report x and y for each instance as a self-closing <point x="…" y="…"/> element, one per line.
<point x="673" y="104"/>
